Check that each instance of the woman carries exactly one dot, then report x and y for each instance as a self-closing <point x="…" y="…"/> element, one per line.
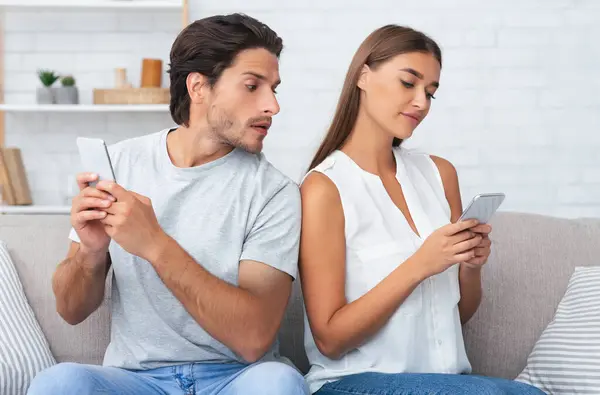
<point x="388" y="274"/>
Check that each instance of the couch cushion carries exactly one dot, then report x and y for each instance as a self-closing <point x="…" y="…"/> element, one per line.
<point x="37" y="244"/>
<point x="566" y="358"/>
<point x="532" y="259"/>
<point x="24" y="350"/>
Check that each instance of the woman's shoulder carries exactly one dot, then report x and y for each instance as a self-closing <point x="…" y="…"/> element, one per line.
<point x="323" y="170"/>
<point x="445" y="167"/>
<point x="319" y="192"/>
<point x="327" y="164"/>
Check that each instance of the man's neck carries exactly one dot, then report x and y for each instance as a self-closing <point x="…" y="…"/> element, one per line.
<point x="190" y="147"/>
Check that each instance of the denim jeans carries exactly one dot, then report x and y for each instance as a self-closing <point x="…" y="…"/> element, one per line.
<point x="267" y="378"/>
<point x="424" y="384"/>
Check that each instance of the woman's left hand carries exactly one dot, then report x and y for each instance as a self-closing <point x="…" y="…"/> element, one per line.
<point x="482" y="251"/>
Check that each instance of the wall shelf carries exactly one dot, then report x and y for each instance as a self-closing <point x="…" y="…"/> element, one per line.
<point x="93" y="4"/>
<point x="35" y="209"/>
<point x="7" y="6"/>
<point x="8" y="108"/>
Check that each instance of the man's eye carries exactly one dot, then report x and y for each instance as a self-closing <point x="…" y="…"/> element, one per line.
<point x="251" y="88"/>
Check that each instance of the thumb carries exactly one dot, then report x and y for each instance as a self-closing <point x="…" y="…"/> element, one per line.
<point x="141" y="198"/>
<point x="114" y="189"/>
<point x="459" y="226"/>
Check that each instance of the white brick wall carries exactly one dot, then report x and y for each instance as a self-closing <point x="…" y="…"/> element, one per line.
<point x="89" y="45"/>
<point x="516" y="112"/>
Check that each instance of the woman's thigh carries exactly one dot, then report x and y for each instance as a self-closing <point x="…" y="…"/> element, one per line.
<point x="424" y="384"/>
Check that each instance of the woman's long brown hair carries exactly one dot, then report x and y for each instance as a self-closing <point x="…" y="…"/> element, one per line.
<point x="380" y="46"/>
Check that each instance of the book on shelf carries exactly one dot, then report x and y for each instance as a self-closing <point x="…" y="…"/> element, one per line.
<point x="13" y="178"/>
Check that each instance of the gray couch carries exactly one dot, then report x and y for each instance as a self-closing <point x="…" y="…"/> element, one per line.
<point x="532" y="259"/>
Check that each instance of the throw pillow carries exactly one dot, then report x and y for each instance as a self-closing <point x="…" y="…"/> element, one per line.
<point x="566" y="357"/>
<point x="24" y="350"/>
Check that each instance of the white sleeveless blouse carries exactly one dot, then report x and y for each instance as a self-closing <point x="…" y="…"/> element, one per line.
<point x="424" y="335"/>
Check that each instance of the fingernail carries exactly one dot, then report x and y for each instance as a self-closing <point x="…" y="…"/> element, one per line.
<point x="112" y="198"/>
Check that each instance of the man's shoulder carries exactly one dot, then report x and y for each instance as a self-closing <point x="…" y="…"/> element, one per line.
<point x="267" y="178"/>
<point x="135" y="144"/>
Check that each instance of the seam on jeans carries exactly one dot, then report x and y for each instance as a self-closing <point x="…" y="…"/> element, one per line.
<point x="350" y="392"/>
<point x="193" y="388"/>
<point x="183" y="382"/>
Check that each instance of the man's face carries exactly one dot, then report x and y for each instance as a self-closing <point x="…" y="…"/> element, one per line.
<point x="242" y="102"/>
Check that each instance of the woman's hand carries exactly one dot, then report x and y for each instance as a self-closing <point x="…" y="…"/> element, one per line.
<point x="447" y="246"/>
<point x="483" y="249"/>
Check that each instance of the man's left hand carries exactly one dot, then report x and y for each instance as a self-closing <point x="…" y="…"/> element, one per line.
<point x="131" y="221"/>
<point x="483" y="250"/>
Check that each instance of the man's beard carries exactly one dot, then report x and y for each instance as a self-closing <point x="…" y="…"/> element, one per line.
<point x="229" y="131"/>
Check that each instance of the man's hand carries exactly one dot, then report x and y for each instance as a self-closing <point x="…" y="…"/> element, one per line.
<point x="131" y="222"/>
<point x="483" y="249"/>
<point x="87" y="211"/>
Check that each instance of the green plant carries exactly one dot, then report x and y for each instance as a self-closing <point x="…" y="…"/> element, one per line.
<point x="68" y="80"/>
<point x="48" y="77"/>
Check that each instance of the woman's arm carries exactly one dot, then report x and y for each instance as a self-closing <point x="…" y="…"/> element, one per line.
<point x="338" y="326"/>
<point x="469" y="274"/>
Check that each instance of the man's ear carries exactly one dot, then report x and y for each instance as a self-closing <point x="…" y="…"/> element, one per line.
<point x="363" y="77"/>
<point x="197" y="85"/>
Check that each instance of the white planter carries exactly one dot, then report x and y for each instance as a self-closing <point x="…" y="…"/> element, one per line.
<point x="44" y="95"/>
<point x="66" y="95"/>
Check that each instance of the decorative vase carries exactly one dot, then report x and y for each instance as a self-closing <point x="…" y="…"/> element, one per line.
<point x="151" y="73"/>
<point x="44" y="95"/>
<point x="67" y="95"/>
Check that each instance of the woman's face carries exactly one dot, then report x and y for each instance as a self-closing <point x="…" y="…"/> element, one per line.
<point x="397" y="94"/>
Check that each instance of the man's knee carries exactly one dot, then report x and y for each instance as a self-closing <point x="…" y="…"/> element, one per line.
<point x="275" y="378"/>
<point x="63" y="378"/>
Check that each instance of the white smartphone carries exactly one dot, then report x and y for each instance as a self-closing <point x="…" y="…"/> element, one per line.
<point x="95" y="158"/>
<point x="482" y="207"/>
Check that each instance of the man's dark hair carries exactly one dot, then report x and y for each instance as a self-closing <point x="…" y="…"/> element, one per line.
<point x="209" y="46"/>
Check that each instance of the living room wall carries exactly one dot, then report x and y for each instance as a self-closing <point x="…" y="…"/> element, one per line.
<point x="90" y="45"/>
<point x="516" y="112"/>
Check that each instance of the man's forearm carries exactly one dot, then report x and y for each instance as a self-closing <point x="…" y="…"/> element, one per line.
<point x="230" y="314"/>
<point x="470" y="292"/>
<point x="78" y="284"/>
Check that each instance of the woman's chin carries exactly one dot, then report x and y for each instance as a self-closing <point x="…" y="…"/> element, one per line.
<point x="405" y="135"/>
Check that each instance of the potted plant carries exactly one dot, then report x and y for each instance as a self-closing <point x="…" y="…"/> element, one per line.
<point x="44" y="93"/>
<point x="67" y="93"/>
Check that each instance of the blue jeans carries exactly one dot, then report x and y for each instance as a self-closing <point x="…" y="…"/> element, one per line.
<point x="424" y="384"/>
<point x="267" y="378"/>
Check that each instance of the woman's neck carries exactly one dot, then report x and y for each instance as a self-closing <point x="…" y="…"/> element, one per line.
<point x="370" y="146"/>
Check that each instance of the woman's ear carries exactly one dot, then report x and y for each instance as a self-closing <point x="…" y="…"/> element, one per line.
<point x="196" y="84"/>
<point x="363" y="77"/>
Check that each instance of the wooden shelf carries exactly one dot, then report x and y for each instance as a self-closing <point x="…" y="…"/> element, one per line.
<point x="35" y="209"/>
<point x="8" y="108"/>
<point x="94" y="4"/>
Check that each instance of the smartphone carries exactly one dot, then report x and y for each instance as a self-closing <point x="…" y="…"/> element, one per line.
<point x="95" y="159"/>
<point x="482" y="207"/>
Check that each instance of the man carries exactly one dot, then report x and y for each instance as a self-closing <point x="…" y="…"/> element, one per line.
<point x="201" y="231"/>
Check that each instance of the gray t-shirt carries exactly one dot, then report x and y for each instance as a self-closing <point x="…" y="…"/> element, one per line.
<point x="234" y="208"/>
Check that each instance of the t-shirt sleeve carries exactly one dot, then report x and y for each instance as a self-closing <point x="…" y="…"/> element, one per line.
<point x="275" y="236"/>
